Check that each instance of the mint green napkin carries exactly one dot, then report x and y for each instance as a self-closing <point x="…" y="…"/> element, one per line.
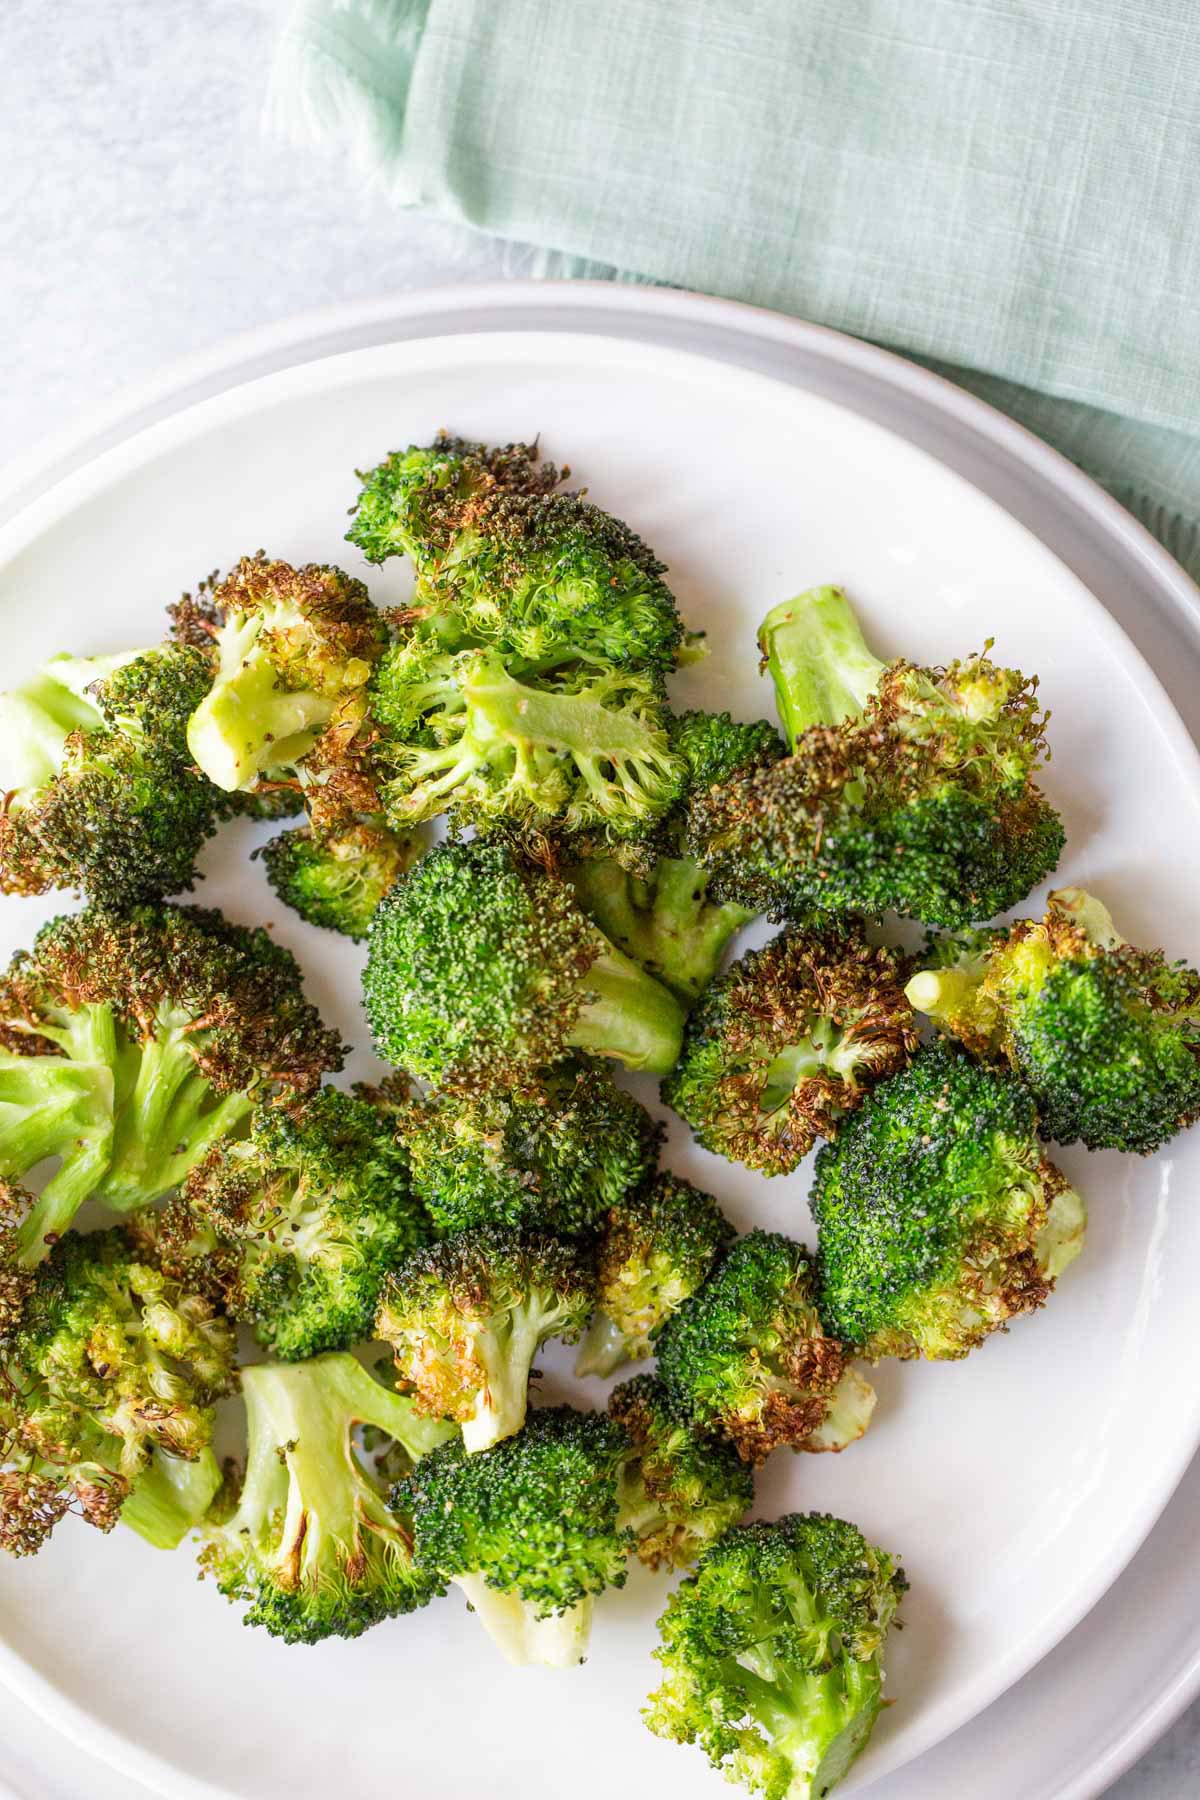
<point x="1007" y="188"/>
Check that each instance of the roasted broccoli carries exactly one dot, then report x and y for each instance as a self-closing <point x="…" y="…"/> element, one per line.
<point x="337" y="879"/>
<point x="938" y="1216"/>
<point x="908" y="788"/>
<point x="678" y="1490"/>
<point x="578" y="748"/>
<point x="773" y="1650"/>
<point x="1105" y="1036"/>
<point x="548" y="576"/>
<point x="98" y="790"/>
<point x="107" y="1384"/>
<point x="747" y="1357"/>
<point x="651" y="899"/>
<point x="292" y="651"/>
<point x="308" y="1212"/>
<point x="555" y="1163"/>
<point x="656" y="1246"/>
<point x="130" y="1042"/>
<point x="466" y="1317"/>
<point x="482" y="970"/>
<point x="308" y="1542"/>
<point x="788" y="1041"/>
<point x="529" y="1530"/>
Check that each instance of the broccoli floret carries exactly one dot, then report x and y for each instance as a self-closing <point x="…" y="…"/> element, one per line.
<point x="580" y="748"/>
<point x="1105" y="1036"/>
<point x="555" y="1163"/>
<point x="466" y="1317"/>
<point x="938" y="1216"/>
<point x="747" y="1357"/>
<point x="130" y="1042"/>
<point x="789" y="1041"/>
<point x="482" y="970"/>
<point x="337" y="879"/>
<point x="773" y="1651"/>
<point x="109" y="1376"/>
<point x="678" y="1490"/>
<point x="907" y="788"/>
<point x="310" y="1546"/>
<point x="650" y="898"/>
<point x="99" y="790"/>
<point x="529" y="1530"/>
<point x="548" y="576"/>
<point x="309" y="1213"/>
<point x="293" y="651"/>
<point x="656" y="1247"/>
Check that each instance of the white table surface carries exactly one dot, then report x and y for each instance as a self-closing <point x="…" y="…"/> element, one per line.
<point x="142" y="218"/>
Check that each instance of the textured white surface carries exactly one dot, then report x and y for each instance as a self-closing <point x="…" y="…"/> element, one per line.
<point x="141" y="218"/>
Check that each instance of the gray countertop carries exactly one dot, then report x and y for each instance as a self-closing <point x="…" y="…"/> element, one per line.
<point x="142" y="218"/>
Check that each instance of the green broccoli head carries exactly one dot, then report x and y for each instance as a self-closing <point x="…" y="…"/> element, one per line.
<point x="580" y="748"/>
<point x="109" y="1374"/>
<point x="555" y="1163"/>
<point x="747" y="1357"/>
<point x="131" y="1041"/>
<point x="1105" y="1036"/>
<point x="309" y="1212"/>
<point x="679" y="1490"/>
<point x="100" y="793"/>
<point x="337" y="879"/>
<point x="772" y="1653"/>
<point x="292" y="654"/>
<point x="913" y="790"/>
<point x="545" y="575"/>
<point x="466" y="1317"/>
<point x="656" y="1247"/>
<point x="481" y="970"/>
<point x="529" y="1530"/>
<point x="307" y="1542"/>
<point x="787" y="1042"/>
<point x="939" y="1218"/>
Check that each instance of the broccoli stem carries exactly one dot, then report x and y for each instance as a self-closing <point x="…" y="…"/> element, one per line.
<point x="52" y="1107"/>
<point x="818" y="659"/>
<point x="559" y="1642"/>
<point x="849" y="1414"/>
<point x="506" y="709"/>
<point x="667" y="924"/>
<point x="629" y="1015"/>
<point x="1089" y="914"/>
<point x="1061" y="1238"/>
<point x="819" y="1722"/>
<point x="604" y="1348"/>
<point x="167" y="1117"/>
<point x="247" y="723"/>
<point x="506" y="1352"/>
<point x="170" y="1496"/>
<point x="942" y="993"/>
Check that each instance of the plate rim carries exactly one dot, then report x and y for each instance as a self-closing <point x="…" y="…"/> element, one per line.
<point x="34" y="480"/>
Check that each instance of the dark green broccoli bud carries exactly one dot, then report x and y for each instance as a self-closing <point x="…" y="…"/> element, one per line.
<point x="555" y="1163"/>
<point x="548" y="576"/>
<point x="747" y="1357"/>
<point x="938" y="1216"/>
<point x="1105" y="1036"/>
<point x="789" y="1041"/>
<point x="650" y="897"/>
<point x="466" y="1317"/>
<point x="481" y="970"/>
<point x="529" y="1530"/>
<point x="293" y="651"/>
<point x="309" y="1213"/>
<point x="911" y="790"/>
<point x="678" y="1490"/>
<point x="309" y="1544"/>
<point x="337" y="879"/>
<point x="655" y="1249"/>
<point x="773" y="1652"/>
<point x="111" y="1372"/>
<point x="577" y="749"/>
<point x="130" y="1042"/>
<point x="99" y="790"/>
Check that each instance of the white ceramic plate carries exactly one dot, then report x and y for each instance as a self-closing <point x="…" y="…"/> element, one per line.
<point x="1006" y="1481"/>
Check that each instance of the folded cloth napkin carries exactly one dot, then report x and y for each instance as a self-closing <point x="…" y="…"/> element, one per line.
<point x="1009" y="189"/>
